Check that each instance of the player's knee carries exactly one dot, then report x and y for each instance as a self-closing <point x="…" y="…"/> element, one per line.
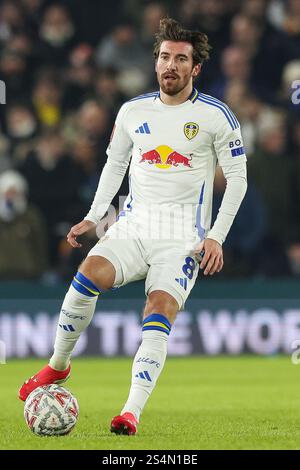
<point x="98" y="270"/>
<point x="163" y="303"/>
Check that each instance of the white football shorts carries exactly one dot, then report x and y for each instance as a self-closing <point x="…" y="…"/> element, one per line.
<point x="167" y="265"/>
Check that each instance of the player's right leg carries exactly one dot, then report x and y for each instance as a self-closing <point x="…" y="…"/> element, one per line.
<point x="96" y="274"/>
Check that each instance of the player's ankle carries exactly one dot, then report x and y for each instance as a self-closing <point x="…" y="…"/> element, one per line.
<point x="134" y="412"/>
<point x="59" y="364"/>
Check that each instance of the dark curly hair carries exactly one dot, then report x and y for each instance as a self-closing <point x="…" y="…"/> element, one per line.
<point x="171" y="30"/>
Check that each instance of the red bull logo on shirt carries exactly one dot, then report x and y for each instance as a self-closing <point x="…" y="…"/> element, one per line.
<point x="164" y="157"/>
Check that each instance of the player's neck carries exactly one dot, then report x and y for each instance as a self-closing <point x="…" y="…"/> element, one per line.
<point x="179" y="98"/>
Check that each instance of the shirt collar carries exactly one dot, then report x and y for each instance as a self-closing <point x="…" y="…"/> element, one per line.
<point x="194" y="95"/>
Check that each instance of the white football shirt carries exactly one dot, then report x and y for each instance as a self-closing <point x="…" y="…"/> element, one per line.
<point x="174" y="151"/>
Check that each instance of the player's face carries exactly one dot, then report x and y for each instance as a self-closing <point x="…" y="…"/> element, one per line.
<point x="174" y="66"/>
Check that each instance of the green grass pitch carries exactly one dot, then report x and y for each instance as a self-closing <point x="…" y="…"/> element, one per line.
<point x="199" y="403"/>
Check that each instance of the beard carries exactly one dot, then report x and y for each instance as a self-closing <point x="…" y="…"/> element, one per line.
<point x="172" y="87"/>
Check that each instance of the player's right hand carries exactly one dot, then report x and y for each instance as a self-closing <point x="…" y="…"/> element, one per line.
<point x="79" y="229"/>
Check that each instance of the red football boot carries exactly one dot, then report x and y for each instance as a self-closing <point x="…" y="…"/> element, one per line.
<point x="124" y="424"/>
<point x="46" y="376"/>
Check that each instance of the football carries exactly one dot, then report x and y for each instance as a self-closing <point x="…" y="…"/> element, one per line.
<point x="51" y="410"/>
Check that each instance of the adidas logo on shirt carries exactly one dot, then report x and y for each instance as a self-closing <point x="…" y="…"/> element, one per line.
<point x="143" y="129"/>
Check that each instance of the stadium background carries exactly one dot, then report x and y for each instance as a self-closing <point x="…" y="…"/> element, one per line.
<point x="67" y="67"/>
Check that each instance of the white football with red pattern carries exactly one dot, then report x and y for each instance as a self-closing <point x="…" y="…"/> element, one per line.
<point x="51" y="410"/>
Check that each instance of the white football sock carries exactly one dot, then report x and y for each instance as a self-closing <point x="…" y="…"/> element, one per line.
<point x="147" y="366"/>
<point x="75" y="315"/>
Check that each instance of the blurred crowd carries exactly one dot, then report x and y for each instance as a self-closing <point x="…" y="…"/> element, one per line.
<point x="69" y="65"/>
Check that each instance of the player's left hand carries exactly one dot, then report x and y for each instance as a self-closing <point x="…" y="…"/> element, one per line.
<point x="212" y="260"/>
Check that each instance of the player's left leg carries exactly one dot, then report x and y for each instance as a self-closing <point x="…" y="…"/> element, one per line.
<point x="169" y="281"/>
<point x="159" y="315"/>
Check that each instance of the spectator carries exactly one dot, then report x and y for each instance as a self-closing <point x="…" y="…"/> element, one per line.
<point x="251" y="112"/>
<point x="244" y="243"/>
<point x="107" y="90"/>
<point x="33" y="11"/>
<point x="53" y="179"/>
<point x="84" y="153"/>
<point x="21" y="129"/>
<point x="151" y="17"/>
<point x="14" y="73"/>
<point x="246" y="33"/>
<point x="122" y="51"/>
<point x="255" y="9"/>
<point x="89" y="138"/>
<point x="285" y="15"/>
<point x="79" y="77"/>
<point x="11" y="19"/>
<point x="23" y="251"/>
<point x="57" y="36"/>
<point x="272" y="172"/>
<point x="47" y="99"/>
<point x="92" y="120"/>
<point x="235" y="66"/>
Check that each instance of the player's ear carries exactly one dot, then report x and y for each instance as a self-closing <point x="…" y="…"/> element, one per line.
<point x="196" y="70"/>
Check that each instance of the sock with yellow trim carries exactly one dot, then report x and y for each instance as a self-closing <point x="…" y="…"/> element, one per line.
<point x="148" y="362"/>
<point x="76" y="313"/>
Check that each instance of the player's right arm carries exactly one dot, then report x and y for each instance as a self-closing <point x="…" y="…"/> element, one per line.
<point x="119" y="154"/>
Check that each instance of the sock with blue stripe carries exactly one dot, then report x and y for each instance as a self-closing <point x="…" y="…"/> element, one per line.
<point x="76" y="313"/>
<point x="148" y="362"/>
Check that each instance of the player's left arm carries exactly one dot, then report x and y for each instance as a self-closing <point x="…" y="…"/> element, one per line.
<point x="229" y="148"/>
